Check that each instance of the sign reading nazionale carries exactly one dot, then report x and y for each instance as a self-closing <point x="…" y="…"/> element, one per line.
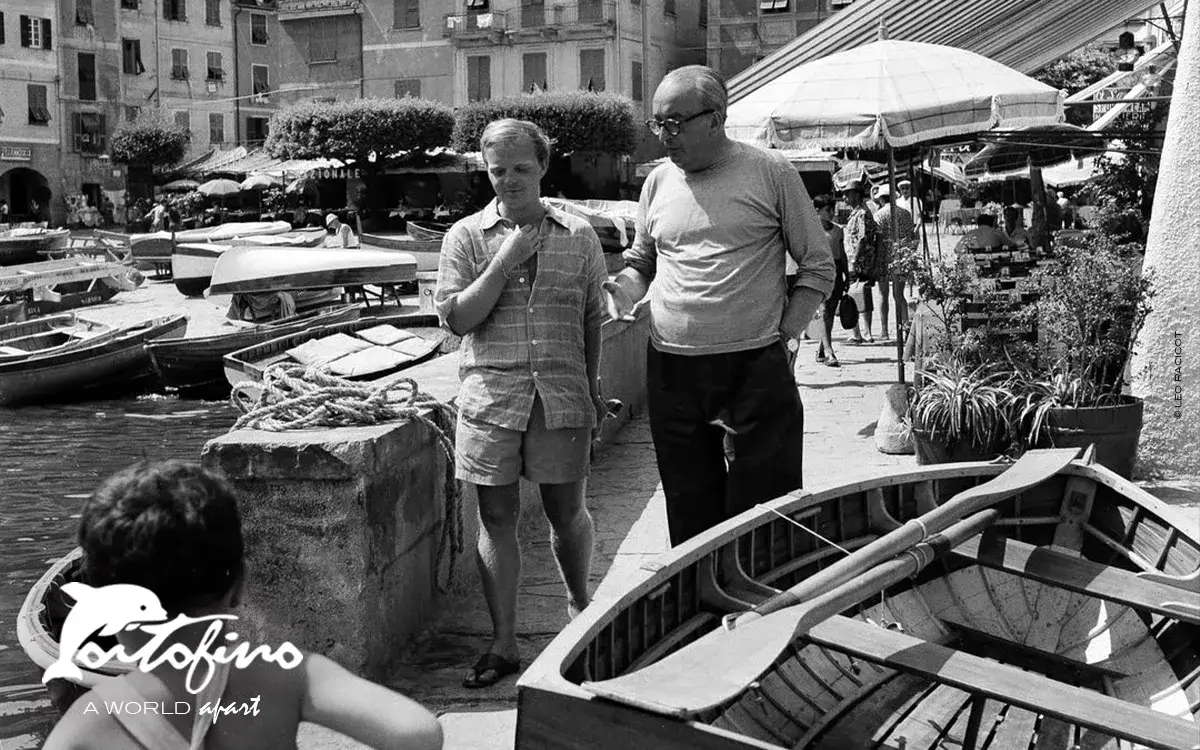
<point x="16" y="153"/>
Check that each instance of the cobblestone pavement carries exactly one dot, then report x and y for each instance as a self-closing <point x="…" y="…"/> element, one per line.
<point x="841" y="405"/>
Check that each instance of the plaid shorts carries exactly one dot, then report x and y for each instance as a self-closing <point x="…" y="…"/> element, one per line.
<point x="497" y="456"/>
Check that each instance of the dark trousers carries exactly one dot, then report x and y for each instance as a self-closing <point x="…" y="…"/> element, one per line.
<point x="728" y="431"/>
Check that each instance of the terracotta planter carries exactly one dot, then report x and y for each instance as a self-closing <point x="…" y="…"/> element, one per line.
<point x="932" y="450"/>
<point x="1114" y="430"/>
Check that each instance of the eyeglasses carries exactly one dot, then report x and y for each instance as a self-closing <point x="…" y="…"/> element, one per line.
<point x="673" y="124"/>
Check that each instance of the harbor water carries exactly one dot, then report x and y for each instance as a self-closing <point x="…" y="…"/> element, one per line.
<point x="51" y="458"/>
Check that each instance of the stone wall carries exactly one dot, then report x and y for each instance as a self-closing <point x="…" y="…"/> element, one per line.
<point x="343" y="525"/>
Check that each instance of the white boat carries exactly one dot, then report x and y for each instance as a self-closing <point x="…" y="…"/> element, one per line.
<point x="192" y="266"/>
<point x="247" y="270"/>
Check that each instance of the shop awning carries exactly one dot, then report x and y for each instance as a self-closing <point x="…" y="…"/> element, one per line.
<point x="804" y="160"/>
<point x="1022" y="34"/>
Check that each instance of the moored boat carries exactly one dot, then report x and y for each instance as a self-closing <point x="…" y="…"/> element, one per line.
<point x="197" y="364"/>
<point x="428" y="231"/>
<point x="48" y="335"/>
<point x="115" y="360"/>
<point x="426" y="252"/>
<point x="1062" y="611"/>
<point x="54" y="286"/>
<point x="248" y="270"/>
<point x="22" y="244"/>
<point x="369" y="349"/>
<point x="192" y="264"/>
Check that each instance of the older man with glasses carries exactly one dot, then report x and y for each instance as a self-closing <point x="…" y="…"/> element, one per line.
<point x="715" y="229"/>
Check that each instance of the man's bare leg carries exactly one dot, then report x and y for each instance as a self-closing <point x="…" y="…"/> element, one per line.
<point x="498" y="555"/>
<point x="884" y="305"/>
<point x="572" y="537"/>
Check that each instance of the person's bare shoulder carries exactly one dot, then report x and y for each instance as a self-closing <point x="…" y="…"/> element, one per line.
<point x="87" y="725"/>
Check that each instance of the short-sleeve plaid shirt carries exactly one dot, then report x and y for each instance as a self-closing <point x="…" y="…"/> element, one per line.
<point x="533" y="340"/>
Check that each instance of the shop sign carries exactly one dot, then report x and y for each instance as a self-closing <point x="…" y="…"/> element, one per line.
<point x="16" y="153"/>
<point x="344" y="173"/>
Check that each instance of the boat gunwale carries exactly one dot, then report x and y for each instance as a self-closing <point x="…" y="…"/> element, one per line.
<point x="547" y="670"/>
<point x="166" y="345"/>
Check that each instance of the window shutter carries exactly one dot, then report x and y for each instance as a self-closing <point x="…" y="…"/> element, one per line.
<point x="1" y="28"/>
<point x="45" y="33"/>
<point x="24" y="31"/>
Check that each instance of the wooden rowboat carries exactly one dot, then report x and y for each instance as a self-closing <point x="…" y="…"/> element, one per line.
<point x="22" y="244"/>
<point x="369" y="349"/>
<point x="48" y="335"/>
<point x="1072" y="621"/>
<point x="197" y="364"/>
<point x="428" y="231"/>
<point x="248" y="270"/>
<point x="427" y="252"/>
<point x="192" y="264"/>
<point x="110" y="361"/>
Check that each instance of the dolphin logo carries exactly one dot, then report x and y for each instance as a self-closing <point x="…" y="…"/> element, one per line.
<point x="108" y="609"/>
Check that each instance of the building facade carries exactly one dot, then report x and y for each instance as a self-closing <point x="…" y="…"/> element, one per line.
<point x="742" y="32"/>
<point x="470" y="50"/>
<point x="30" y="118"/>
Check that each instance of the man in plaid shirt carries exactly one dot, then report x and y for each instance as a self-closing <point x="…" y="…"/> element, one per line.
<point x="521" y="282"/>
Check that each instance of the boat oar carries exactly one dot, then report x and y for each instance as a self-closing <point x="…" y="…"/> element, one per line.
<point x="1033" y="468"/>
<point x="722" y="664"/>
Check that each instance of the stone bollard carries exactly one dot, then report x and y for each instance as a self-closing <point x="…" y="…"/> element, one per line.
<point x="342" y="531"/>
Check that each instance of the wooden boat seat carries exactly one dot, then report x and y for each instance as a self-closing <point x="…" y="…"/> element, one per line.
<point x="1082" y="576"/>
<point x="991" y="679"/>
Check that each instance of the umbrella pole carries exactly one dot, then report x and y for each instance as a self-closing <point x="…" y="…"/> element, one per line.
<point x="895" y="229"/>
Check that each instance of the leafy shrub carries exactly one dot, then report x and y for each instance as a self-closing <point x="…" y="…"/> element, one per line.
<point x="150" y="141"/>
<point x="353" y="130"/>
<point x="574" y="120"/>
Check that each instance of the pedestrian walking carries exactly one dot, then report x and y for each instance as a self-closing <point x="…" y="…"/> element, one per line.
<point x="714" y="227"/>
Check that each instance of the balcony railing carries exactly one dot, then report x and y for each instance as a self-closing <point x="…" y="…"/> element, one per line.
<point x="574" y="15"/>
<point x="460" y="25"/>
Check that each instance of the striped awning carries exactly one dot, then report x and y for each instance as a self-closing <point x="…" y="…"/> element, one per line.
<point x="1023" y="34"/>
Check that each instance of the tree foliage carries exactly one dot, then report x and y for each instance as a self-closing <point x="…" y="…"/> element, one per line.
<point x="150" y="141"/>
<point x="574" y="120"/>
<point x="1078" y="70"/>
<point x="353" y="130"/>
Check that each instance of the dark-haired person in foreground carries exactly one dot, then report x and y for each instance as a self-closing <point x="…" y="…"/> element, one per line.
<point x="173" y="528"/>
<point x="714" y="228"/>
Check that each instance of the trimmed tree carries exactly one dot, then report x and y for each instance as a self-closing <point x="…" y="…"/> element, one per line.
<point x="149" y="142"/>
<point x="371" y="133"/>
<point x="1077" y="71"/>
<point x="577" y="122"/>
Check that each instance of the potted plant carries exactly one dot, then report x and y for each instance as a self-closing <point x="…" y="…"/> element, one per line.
<point x="1094" y="300"/>
<point x="961" y="411"/>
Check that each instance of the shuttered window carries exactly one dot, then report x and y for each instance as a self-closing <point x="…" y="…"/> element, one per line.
<point x="215" y="72"/>
<point x="131" y="57"/>
<point x="591" y="69"/>
<point x="479" y="78"/>
<point x="406" y="14"/>
<point x="179" y="64"/>
<point x="216" y="127"/>
<point x="87" y="76"/>
<point x="35" y="32"/>
<point x="39" y="112"/>
<point x="533" y="72"/>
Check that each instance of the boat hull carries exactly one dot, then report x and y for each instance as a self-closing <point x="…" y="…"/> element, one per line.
<point x="246" y="366"/>
<point x="192" y="265"/>
<point x="426" y="231"/>
<point x="44" y="336"/>
<point x="426" y="252"/>
<point x="23" y="246"/>
<point x="250" y="270"/>
<point x="196" y="365"/>
<point x="823" y="693"/>
<point x="116" y="362"/>
<point x="72" y="297"/>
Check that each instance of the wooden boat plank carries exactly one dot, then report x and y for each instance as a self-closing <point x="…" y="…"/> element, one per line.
<point x="1013" y="730"/>
<point x="932" y="721"/>
<point x="1048" y="606"/>
<point x="1074" y="574"/>
<point x="873" y="715"/>
<point x="557" y="722"/>
<point x="1006" y="683"/>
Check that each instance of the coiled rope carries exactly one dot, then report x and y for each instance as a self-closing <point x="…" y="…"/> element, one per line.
<point x="295" y="397"/>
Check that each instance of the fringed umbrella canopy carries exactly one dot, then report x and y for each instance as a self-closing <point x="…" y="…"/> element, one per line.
<point x="891" y="93"/>
<point x="219" y="188"/>
<point x="260" y="182"/>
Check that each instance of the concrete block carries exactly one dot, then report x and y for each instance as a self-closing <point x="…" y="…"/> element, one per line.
<point x="342" y="529"/>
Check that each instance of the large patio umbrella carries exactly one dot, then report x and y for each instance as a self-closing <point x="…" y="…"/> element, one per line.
<point x="260" y="182"/>
<point x="891" y="94"/>
<point x="1044" y="146"/>
<point x="181" y="184"/>
<point x="219" y="188"/>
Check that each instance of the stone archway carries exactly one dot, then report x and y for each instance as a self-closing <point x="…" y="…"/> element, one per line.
<point x="21" y="187"/>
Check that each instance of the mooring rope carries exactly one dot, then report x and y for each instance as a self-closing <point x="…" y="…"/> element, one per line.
<point x="295" y="397"/>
